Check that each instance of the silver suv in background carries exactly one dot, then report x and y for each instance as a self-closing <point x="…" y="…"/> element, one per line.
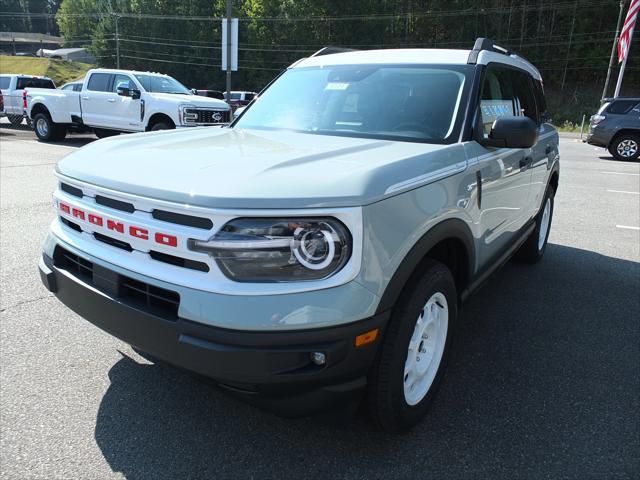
<point x="616" y="127"/>
<point x="318" y="250"/>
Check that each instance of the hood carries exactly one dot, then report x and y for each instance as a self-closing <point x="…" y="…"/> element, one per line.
<point x="235" y="168"/>
<point x="197" y="100"/>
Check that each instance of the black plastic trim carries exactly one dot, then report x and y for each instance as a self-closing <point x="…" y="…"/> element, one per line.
<point x="182" y="219"/>
<point x="71" y="190"/>
<point x="115" y="204"/>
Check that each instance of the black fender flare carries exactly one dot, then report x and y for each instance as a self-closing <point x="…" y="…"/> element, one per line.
<point x="452" y="228"/>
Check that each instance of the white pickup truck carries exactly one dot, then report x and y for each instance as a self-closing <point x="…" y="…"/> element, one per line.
<point x="13" y="87"/>
<point x="115" y="101"/>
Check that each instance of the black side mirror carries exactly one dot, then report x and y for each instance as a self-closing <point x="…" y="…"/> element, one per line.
<point x="135" y="93"/>
<point x="512" y="132"/>
<point x="194" y="91"/>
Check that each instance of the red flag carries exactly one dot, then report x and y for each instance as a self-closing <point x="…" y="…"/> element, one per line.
<point x="627" y="30"/>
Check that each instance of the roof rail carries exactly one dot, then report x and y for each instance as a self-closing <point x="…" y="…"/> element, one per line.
<point x="332" y="50"/>
<point x="488" y="45"/>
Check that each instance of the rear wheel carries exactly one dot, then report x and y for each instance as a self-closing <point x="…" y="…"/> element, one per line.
<point x="412" y="358"/>
<point x="46" y="130"/>
<point x="625" y="147"/>
<point x="15" y="120"/>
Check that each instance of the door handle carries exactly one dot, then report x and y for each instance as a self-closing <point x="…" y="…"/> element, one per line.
<point x="85" y="98"/>
<point x="111" y="100"/>
<point x="525" y="162"/>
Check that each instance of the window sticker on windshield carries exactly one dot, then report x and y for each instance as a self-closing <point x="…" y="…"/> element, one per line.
<point x="336" y="86"/>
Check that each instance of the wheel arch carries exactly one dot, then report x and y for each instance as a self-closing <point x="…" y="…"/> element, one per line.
<point x="450" y="242"/>
<point x="37" y="108"/>
<point x="159" y="117"/>
<point x="621" y="132"/>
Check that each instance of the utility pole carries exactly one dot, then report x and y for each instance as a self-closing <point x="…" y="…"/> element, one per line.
<point x="624" y="65"/>
<point x="117" y="42"/>
<point x="613" y="51"/>
<point x="228" y="50"/>
<point x="566" y="63"/>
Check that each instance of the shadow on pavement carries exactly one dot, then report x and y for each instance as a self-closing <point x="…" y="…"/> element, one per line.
<point x="611" y="159"/>
<point x="543" y="382"/>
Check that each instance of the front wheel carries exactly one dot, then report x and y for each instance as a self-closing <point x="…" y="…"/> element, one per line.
<point x="46" y="130"/>
<point x="410" y="364"/>
<point x="625" y="147"/>
<point x="15" y="120"/>
<point x="532" y="250"/>
<point x="162" y="126"/>
<point x="104" y="133"/>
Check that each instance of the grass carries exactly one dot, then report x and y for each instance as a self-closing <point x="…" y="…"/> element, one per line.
<point x="60" y="71"/>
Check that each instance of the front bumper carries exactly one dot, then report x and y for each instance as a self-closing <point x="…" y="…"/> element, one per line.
<point x="271" y="369"/>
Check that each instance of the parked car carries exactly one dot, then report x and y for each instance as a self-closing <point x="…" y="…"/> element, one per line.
<point x="240" y="98"/>
<point x="616" y="127"/>
<point x="317" y="251"/>
<point x="210" y="93"/>
<point x="2" y="114"/>
<point x="13" y="88"/>
<point x="73" y="86"/>
<point x="115" y="101"/>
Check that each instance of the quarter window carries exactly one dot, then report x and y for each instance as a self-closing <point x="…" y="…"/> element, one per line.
<point x="621" y="107"/>
<point x="99" y="82"/>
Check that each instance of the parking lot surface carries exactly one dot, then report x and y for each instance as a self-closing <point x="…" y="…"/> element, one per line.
<point x="543" y="382"/>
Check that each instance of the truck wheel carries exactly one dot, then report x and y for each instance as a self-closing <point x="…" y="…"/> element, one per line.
<point x="533" y="249"/>
<point x="15" y="120"/>
<point x="104" y="133"/>
<point x="162" y="126"/>
<point x="625" y="147"/>
<point x="46" y="130"/>
<point x="412" y="358"/>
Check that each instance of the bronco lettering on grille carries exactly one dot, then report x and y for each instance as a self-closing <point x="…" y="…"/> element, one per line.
<point x="120" y="227"/>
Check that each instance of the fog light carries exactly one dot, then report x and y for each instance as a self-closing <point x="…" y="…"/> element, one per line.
<point x="318" y="358"/>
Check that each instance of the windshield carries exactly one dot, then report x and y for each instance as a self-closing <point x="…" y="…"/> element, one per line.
<point x="162" y="84"/>
<point x="413" y="103"/>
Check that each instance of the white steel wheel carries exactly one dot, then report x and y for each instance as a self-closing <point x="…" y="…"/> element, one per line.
<point x="627" y="148"/>
<point x="425" y="349"/>
<point x="545" y="221"/>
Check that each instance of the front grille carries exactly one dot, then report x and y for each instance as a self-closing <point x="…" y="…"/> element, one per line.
<point x="70" y="224"/>
<point x="182" y="219"/>
<point x="210" y="116"/>
<point x="116" y="204"/>
<point x="179" y="261"/>
<point x="114" y="242"/>
<point x="76" y="192"/>
<point x="139" y="295"/>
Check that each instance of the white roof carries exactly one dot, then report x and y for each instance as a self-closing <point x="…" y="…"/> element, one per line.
<point x="417" y="56"/>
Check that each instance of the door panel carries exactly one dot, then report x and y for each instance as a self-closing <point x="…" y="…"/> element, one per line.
<point x="124" y="112"/>
<point x="94" y="100"/>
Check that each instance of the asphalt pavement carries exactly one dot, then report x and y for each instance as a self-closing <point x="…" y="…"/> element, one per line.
<point x="544" y="380"/>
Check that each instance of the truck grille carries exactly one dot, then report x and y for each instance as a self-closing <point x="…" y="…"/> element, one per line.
<point x="212" y="116"/>
<point x="139" y="295"/>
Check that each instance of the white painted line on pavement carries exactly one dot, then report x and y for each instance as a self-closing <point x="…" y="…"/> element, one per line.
<point x="623" y="191"/>
<point x="627" y="227"/>
<point x="623" y="173"/>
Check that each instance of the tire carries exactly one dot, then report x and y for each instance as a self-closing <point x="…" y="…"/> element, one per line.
<point x="161" y="126"/>
<point x="534" y="247"/>
<point x="15" y="120"/>
<point x="625" y="147"/>
<point x="415" y="345"/>
<point x="46" y="130"/>
<point x="104" y="133"/>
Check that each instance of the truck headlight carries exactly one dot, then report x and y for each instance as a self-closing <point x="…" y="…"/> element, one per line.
<point x="188" y="114"/>
<point x="279" y="249"/>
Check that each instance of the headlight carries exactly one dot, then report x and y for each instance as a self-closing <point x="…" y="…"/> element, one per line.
<point x="279" y="250"/>
<point x="188" y="114"/>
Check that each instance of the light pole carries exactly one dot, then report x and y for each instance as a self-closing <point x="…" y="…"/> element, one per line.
<point x="613" y="51"/>
<point x="228" y="51"/>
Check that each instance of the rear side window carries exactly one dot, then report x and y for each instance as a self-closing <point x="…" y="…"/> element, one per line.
<point x="498" y="98"/>
<point x="621" y="107"/>
<point x="4" y="82"/>
<point x="26" y="82"/>
<point x="99" y="82"/>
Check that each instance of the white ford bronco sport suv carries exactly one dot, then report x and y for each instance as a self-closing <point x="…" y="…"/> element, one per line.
<point x="115" y="101"/>
<point x="317" y="250"/>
